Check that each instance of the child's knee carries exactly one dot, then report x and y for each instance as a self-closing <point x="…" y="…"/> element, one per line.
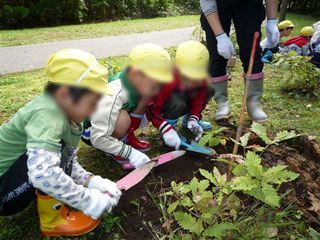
<point x="122" y="125"/>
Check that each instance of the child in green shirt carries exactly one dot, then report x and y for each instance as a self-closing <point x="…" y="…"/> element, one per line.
<point x="38" y="148"/>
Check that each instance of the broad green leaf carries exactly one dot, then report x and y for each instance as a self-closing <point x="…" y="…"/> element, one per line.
<point x="214" y="141"/>
<point x="240" y="170"/>
<point x="188" y="222"/>
<point x="219" y="230"/>
<point x="203" y="185"/>
<point x="285" y="135"/>
<point x="186" y="202"/>
<point x="253" y="164"/>
<point x="261" y="131"/>
<point x="270" y="195"/>
<point x="244" y="183"/>
<point x="205" y="139"/>
<point x="208" y="176"/>
<point x="173" y="206"/>
<point x="279" y="174"/>
<point x="221" y="179"/>
<point x="244" y="139"/>
<point x="193" y="185"/>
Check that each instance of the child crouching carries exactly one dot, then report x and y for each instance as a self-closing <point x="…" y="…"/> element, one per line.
<point x="38" y="150"/>
<point x="149" y="68"/>
<point x="187" y="96"/>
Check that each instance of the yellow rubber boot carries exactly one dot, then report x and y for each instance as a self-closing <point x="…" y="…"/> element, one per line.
<point x="57" y="220"/>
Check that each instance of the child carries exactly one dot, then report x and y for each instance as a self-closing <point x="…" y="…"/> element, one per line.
<point x="285" y="28"/>
<point x="186" y="96"/>
<point x="149" y="67"/>
<point x="301" y="40"/>
<point x="38" y="150"/>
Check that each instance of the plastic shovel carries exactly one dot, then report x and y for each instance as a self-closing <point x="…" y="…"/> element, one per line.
<point x="195" y="148"/>
<point x="139" y="174"/>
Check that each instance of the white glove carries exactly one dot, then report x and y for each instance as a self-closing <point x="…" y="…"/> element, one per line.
<point x="105" y="185"/>
<point x="137" y="158"/>
<point x="225" y="46"/>
<point x="273" y="34"/>
<point x="194" y="127"/>
<point x="172" y="139"/>
<point x="99" y="203"/>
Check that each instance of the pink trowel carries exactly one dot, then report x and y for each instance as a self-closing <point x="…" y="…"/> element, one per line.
<point x="139" y="174"/>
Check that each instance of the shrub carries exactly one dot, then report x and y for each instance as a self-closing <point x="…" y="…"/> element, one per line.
<point x="301" y="75"/>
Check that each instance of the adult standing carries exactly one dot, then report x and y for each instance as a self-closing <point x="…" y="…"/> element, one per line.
<point x="247" y="16"/>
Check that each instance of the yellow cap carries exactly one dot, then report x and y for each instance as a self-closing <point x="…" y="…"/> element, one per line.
<point x="74" y="67"/>
<point x="307" y="31"/>
<point x="153" y="60"/>
<point x="192" y="60"/>
<point x="285" y="24"/>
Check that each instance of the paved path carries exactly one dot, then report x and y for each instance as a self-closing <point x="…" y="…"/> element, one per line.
<point x="28" y="57"/>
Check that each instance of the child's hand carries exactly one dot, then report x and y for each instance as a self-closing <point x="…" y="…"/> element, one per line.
<point x="105" y="185"/>
<point x="137" y="158"/>
<point x="99" y="203"/>
<point x="194" y="127"/>
<point x="172" y="139"/>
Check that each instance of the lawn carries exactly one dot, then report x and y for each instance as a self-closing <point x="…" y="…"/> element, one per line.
<point x="93" y="30"/>
<point x="299" y="113"/>
<point x="284" y="112"/>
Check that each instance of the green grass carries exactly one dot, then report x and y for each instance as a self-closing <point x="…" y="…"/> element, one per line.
<point x="284" y="113"/>
<point x="93" y="30"/>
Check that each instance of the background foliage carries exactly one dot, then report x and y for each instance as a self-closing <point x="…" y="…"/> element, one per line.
<point x="32" y="13"/>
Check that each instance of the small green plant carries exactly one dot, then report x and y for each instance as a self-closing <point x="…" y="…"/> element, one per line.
<point x="261" y="132"/>
<point x="200" y="209"/>
<point x="260" y="182"/>
<point x="110" y="222"/>
<point x="301" y="75"/>
<point x="213" y="138"/>
<point x="209" y="208"/>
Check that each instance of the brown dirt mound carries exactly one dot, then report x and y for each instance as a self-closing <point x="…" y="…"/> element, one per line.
<point x="301" y="155"/>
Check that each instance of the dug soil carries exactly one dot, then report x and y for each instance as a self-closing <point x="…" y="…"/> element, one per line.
<point x="302" y="155"/>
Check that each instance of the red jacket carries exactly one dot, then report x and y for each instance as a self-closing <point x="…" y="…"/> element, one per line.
<point x="198" y="101"/>
<point x="298" y="40"/>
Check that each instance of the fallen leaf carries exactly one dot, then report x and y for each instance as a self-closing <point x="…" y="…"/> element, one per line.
<point x="315" y="204"/>
<point x="167" y="224"/>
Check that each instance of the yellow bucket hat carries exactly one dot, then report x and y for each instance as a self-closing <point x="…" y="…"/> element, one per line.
<point x="153" y="60"/>
<point x="74" y="67"/>
<point x="192" y="59"/>
<point x="307" y="31"/>
<point x="285" y="24"/>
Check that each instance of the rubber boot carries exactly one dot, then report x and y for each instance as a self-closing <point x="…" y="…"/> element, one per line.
<point x="221" y="98"/>
<point x="124" y="162"/>
<point x="255" y="90"/>
<point x="57" y="220"/>
<point x="138" y="144"/>
<point x="204" y="124"/>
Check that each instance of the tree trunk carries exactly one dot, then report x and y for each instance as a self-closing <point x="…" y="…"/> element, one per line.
<point x="283" y="10"/>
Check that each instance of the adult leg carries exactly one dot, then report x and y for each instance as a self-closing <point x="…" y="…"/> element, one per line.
<point x="16" y="192"/>
<point x="248" y="17"/>
<point x="136" y="117"/>
<point x="218" y="64"/>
